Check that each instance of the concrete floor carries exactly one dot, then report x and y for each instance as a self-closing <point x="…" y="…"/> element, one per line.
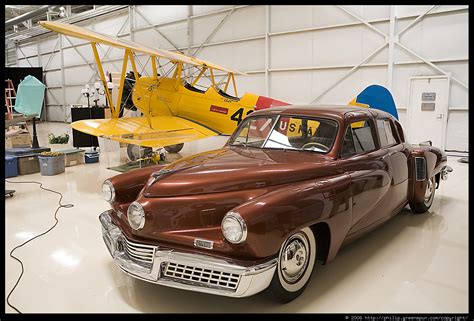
<point x="413" y="263"/>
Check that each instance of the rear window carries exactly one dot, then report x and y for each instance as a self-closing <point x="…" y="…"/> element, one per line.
<point x="385" y="133"/>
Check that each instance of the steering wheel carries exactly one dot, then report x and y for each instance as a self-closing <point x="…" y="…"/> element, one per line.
<point x="316" y="144"/>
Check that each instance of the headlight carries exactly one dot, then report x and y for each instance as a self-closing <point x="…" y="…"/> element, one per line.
<point x="234" y="228"/>
<point x="108" y="191"/>
<point x="136" y="216"/>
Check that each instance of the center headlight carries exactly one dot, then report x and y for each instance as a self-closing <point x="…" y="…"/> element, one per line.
<point x="136" y="216"/>
<point x="234" y="228"/>
<point x="108" y="191"/>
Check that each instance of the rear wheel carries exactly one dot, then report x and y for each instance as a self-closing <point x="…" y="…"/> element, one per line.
<point x="174" y="148"/>
<point x="424" y="206"/>
<point x="295" y="264"/>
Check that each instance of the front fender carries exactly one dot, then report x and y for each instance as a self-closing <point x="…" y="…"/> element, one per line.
<point x="128" y="185"/>
<point x="272" y="217"/>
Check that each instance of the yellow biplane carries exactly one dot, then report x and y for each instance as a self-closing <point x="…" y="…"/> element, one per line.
<point x="174" y="110"/>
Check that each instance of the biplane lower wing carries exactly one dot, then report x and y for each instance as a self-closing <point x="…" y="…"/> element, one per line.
<point x="165" y="131"/>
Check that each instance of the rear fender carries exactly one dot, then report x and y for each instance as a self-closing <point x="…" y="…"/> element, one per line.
<point x="435" y="160"/>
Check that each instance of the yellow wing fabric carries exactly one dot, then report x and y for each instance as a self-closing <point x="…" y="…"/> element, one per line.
<point x="166" y="131"/>
<point x="92" y="36"/>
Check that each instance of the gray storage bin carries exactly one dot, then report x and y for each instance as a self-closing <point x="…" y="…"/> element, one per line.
<point x="50" y="166"/>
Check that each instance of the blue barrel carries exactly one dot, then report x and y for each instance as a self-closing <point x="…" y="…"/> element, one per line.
<point x="11" y="166"/>
<point x="91" y="157"/>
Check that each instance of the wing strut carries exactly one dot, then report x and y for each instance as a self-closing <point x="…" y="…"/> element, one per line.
<point x="102" y="76"/>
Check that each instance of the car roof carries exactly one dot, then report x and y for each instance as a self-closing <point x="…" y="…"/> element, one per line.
<point x="332" y="111"/>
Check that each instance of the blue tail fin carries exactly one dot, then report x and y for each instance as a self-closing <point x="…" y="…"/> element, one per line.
<point x="377" y="97"/>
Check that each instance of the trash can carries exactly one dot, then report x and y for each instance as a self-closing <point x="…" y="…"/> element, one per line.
<point x="51" y="163"/>
<point x="92" y="157"/>
<point x="11" y="166"/>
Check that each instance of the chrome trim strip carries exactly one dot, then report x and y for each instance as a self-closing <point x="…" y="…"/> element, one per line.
<point x="252" y="279"/>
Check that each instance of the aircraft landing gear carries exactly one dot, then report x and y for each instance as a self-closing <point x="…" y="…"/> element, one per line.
<point x="135" y="152"/>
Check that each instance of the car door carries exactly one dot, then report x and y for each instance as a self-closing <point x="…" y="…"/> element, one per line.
<point x="397" y="158"/>
<point x="366" y="164"/>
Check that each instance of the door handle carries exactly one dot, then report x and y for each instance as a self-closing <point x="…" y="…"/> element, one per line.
<point x="439" y="116"/>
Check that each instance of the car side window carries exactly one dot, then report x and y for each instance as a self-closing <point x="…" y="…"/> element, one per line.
<point x="358" y="139"/>
<point x="385" y="133"/>
<point x="388" y="131"/>
<point x="362" y="136"/>
<point x="348" y="148"/>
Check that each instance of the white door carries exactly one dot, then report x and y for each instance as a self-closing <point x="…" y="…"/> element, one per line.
<point x="428" y="110"/>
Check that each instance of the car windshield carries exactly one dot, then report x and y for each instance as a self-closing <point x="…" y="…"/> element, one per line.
<point x="287" y="132"/>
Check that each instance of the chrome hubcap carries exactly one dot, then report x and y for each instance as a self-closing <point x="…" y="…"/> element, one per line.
<point x="294" y="258"/>
<point x="429" y="191"/>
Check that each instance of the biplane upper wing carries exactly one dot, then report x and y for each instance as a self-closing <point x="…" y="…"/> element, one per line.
<point x="165" y="131"/>
<point x="93" y="36"/>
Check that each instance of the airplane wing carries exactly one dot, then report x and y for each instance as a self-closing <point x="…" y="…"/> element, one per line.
<point x="93" y="36"/>
<point x="165" y="131"/>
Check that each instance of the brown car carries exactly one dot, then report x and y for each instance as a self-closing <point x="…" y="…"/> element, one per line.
<point x="291" y="186"/>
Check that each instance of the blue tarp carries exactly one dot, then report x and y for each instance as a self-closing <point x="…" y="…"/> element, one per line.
<point x="30" y="96"/>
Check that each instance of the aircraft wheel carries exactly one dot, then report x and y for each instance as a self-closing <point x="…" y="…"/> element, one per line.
<point x="135" y="152"/>
<point x="174" y="148"/>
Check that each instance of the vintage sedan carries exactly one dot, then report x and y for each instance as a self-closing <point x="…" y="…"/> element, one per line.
<point x="291" y="186"/>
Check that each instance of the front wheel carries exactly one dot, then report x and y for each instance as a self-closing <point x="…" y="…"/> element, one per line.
<point x="295" y="264"/>
<point x="424" y="206"/>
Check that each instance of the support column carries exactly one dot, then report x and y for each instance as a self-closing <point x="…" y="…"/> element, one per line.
<point x="391" y="48"/>
<point x="63" y="78"/>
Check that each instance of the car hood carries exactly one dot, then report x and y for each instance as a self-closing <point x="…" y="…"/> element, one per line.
<point x="236" y="168"/>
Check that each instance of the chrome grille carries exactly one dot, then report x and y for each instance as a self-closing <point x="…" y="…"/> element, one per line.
<point x="139" y="252"/>
<point x="420" y="168"/>
<point x="204" y="277"/>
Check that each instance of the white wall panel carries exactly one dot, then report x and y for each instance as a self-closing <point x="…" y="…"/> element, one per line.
<point x="52" y="78"/>
<point x="176" y="33"/>
<point x="47" y="44"/>
<point x="72" y="57"/>
<point x="151" y="38"/>
<point x="77" y="75"/>
<point x="242" y="56"/>
<point x="26" y="62"/>
<point x="30" y="49"/>
<point x="457" y="129"/>
<point x="294" y="50"/>
<point x="284" y="18"/>
<point x="54" y="61"/>
<point x="203" y="26"/>
<point x="292" y="86"/>
<point x="242" y="23"/>
<point x="254" y="84"/>
<point x="200" y="9"/>
<point x="54" y="96"/>
<point x="438" y="40"/>
<point x="159" y="14"/>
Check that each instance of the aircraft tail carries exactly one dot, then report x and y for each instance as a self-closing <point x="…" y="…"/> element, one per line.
<point x="377" y="97"/>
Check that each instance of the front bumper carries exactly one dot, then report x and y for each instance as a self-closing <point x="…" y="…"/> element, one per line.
<point x="188" y="271"/>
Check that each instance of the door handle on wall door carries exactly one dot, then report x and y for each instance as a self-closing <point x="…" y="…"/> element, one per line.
<point x="439" y="116"/>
